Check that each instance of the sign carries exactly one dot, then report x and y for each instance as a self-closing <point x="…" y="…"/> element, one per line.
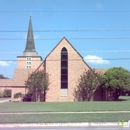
<point x="123" y="124"/>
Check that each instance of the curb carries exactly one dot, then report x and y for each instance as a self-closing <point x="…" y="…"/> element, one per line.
<point x="60" y="124"/>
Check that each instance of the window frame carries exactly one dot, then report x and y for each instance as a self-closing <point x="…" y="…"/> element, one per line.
<point x="28" y="62"/>
<point x="64" y="68"/>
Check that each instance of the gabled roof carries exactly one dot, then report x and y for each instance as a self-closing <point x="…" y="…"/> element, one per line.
<point x="72" y="47"/>
<point x="5" y="82"/>
<point x="101" y="70"/>
<point x="20" y="76"/>
<point x="30" y="45"/>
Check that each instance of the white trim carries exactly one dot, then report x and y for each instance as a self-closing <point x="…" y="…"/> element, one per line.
<point x="28" y="66"/>
<point x="28" y="62"/>
<point x="28" y="58"/>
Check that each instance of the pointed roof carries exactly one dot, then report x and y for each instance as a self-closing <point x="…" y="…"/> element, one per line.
<point x="30" y="45"/>
<point x="64" y="38"/>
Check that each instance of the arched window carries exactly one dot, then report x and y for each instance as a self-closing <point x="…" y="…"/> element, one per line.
<point x="64" y="69"/>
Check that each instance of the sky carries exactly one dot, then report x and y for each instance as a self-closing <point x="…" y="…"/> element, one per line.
<point x="98" y="29"/>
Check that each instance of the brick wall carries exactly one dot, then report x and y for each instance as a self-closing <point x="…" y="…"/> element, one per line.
<point x="18" y="89"/>
<point x="22" y="62"/>
<point x="76" y="67"/>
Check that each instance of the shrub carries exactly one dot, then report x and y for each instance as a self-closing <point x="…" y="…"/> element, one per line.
<point x="1" y="93"/>
<point x="17" y="95"/>
<point x="27" y="98"/>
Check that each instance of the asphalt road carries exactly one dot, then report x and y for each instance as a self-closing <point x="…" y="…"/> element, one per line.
<point x="65" y="128"/>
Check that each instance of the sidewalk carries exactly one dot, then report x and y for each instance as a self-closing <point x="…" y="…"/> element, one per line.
<point x="88" y="124"/>
<point x="24" y="113"/>
<point x="5" y="100"/>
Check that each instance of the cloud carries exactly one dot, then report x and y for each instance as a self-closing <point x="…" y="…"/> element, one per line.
<point x="5" y="63"/>
<point x="99" y="5"/>
<point x="95" y="60"/>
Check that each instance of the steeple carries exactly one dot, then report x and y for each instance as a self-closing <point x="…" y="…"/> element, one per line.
<point x="30" y="45"/>
<point x="30" y="58"/>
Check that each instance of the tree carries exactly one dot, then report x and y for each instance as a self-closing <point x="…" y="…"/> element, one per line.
<point x="37" y="85"/>
<point x="18" y="95"/>
<point x="2" y="77"/>
<point x="116" y="80"/>
<point x="89" y="81"/>
<point x="1" y="93"/>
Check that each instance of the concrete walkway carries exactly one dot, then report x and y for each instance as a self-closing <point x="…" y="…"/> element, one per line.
<point x="25" y="113"/>
<point x="88" y="124"/>
<point x="5" y="100"/>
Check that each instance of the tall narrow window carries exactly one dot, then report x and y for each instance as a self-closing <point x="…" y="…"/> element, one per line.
<point x="64" y="69"/>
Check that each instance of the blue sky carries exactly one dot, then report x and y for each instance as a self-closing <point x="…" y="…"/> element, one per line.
<point x="94" y="16"/>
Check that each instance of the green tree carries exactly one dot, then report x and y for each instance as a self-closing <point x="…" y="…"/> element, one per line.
<point x="2" y="77"/>
<point x="18" y="95"/>
<point x="37" y="85"/>
<point x="116" y="80"/>
<point x="89" y="81"/>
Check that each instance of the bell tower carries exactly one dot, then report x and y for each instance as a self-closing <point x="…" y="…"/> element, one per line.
<point x="30" y="58"/>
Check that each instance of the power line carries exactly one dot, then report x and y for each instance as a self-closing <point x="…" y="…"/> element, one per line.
<point x="77" y="59"/>
<point x="106" y="51"/>
<point x="107" y="30"/>
<point x="68" y="11"/>
<point x="79" y="38"/>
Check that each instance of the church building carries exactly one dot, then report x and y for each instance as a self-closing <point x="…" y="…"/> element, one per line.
<point x="64" y="65"/>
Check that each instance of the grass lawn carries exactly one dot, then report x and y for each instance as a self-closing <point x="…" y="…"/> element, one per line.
<point x="65" y="106"/>
<point x="58" y="118"/>
<point x="122" y="105"/>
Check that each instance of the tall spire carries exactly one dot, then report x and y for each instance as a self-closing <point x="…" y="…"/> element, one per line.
<point x="30" y="45"/>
